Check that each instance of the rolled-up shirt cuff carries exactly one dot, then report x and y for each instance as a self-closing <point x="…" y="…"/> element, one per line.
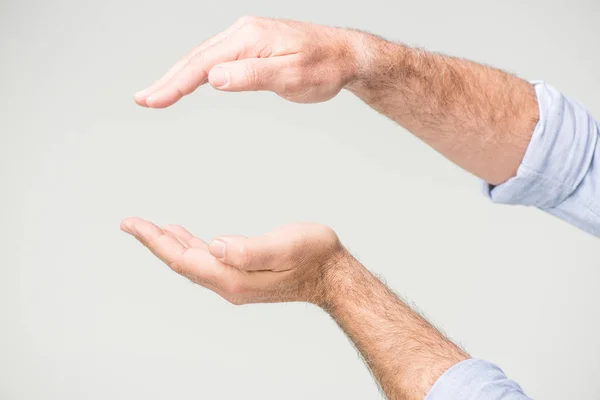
<point x="475" y="380"/>
<point x="558" y="155"/>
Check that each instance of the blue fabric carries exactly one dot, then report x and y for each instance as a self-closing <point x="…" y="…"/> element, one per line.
<point x="475" y="380"/>
<point x="560" y="173"/>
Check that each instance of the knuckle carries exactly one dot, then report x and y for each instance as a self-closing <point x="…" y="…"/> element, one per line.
<point x="197" y="65"/>
<point x="252" y="20"/>
<point x="184" y="89"/>
<point x="246" y="20"/>
<point x="252" y="30"/>
<point x="156" y="240"/>
<point x="252" y="76"/>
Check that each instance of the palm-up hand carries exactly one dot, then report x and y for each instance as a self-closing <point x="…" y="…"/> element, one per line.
<point x="301" y="62"/>
<point x="290" y="263"/>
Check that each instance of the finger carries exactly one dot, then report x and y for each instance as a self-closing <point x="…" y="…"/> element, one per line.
<point x="183" y="233"/>
<point x="241" y="287"/>
<point x="198" y="266"/>
<point x="140" y="97"/>
<point x="251" y="254"/>
<point x="193" y="73"/>
<point x="165" y="246"/>
<point x="252" y="74"/>
<point x="179" y="231"/>
<point x="192" y="262"/>
<point x="181" y="240"/>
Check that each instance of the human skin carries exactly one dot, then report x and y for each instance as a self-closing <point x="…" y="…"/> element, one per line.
<point x="478" y="117"/>
<point x="307" y="263"/>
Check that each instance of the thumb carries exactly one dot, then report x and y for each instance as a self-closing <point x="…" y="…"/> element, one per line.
<point x="244" y="253"/>
<point x="248" y="75"/>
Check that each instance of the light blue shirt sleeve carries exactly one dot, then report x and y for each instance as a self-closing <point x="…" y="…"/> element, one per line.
<point x="560" y="172"/>
<point x="475" y="380"/>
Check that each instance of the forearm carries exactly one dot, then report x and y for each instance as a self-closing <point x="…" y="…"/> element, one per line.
<point x="478" y="117"/>
<point x="405" y="353"/>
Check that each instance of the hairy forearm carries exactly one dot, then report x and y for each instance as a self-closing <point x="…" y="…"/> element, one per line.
<point x="478" y="117"/>
<point x="405" y="353"/>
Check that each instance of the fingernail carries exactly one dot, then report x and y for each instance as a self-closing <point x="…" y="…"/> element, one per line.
<point x="217" y="248"/>
<point x="219" y="77"/>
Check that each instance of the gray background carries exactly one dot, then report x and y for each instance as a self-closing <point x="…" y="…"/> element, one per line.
<point x="87" y="313"/>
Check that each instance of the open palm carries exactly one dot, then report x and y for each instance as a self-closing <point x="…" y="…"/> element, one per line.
<point x="286" y="264"/>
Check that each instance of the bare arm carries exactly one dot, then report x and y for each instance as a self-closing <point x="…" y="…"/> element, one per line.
<point x="478" y="117"/>
<point x="306" y="262"/>
<point x="404" y="352"/>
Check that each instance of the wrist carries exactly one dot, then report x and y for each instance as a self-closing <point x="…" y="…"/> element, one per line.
<point x="341" y="272"/>
<point x="360" y="47"/>
<point x="375" y="60"/>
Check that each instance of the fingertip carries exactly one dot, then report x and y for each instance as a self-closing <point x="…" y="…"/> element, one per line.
<point x="150" y="101"/>
<point x="126" y="225"/>
<point x="131" y="224"/>
<point x="159" y="101"/>
<point x="140" y="100"/>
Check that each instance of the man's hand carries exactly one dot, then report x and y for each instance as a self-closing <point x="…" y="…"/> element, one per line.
<point x="299" y="61"/>
<point x="479" y="117"/>
<point x="306" y="262"/>
<point x="289" y="264"/>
